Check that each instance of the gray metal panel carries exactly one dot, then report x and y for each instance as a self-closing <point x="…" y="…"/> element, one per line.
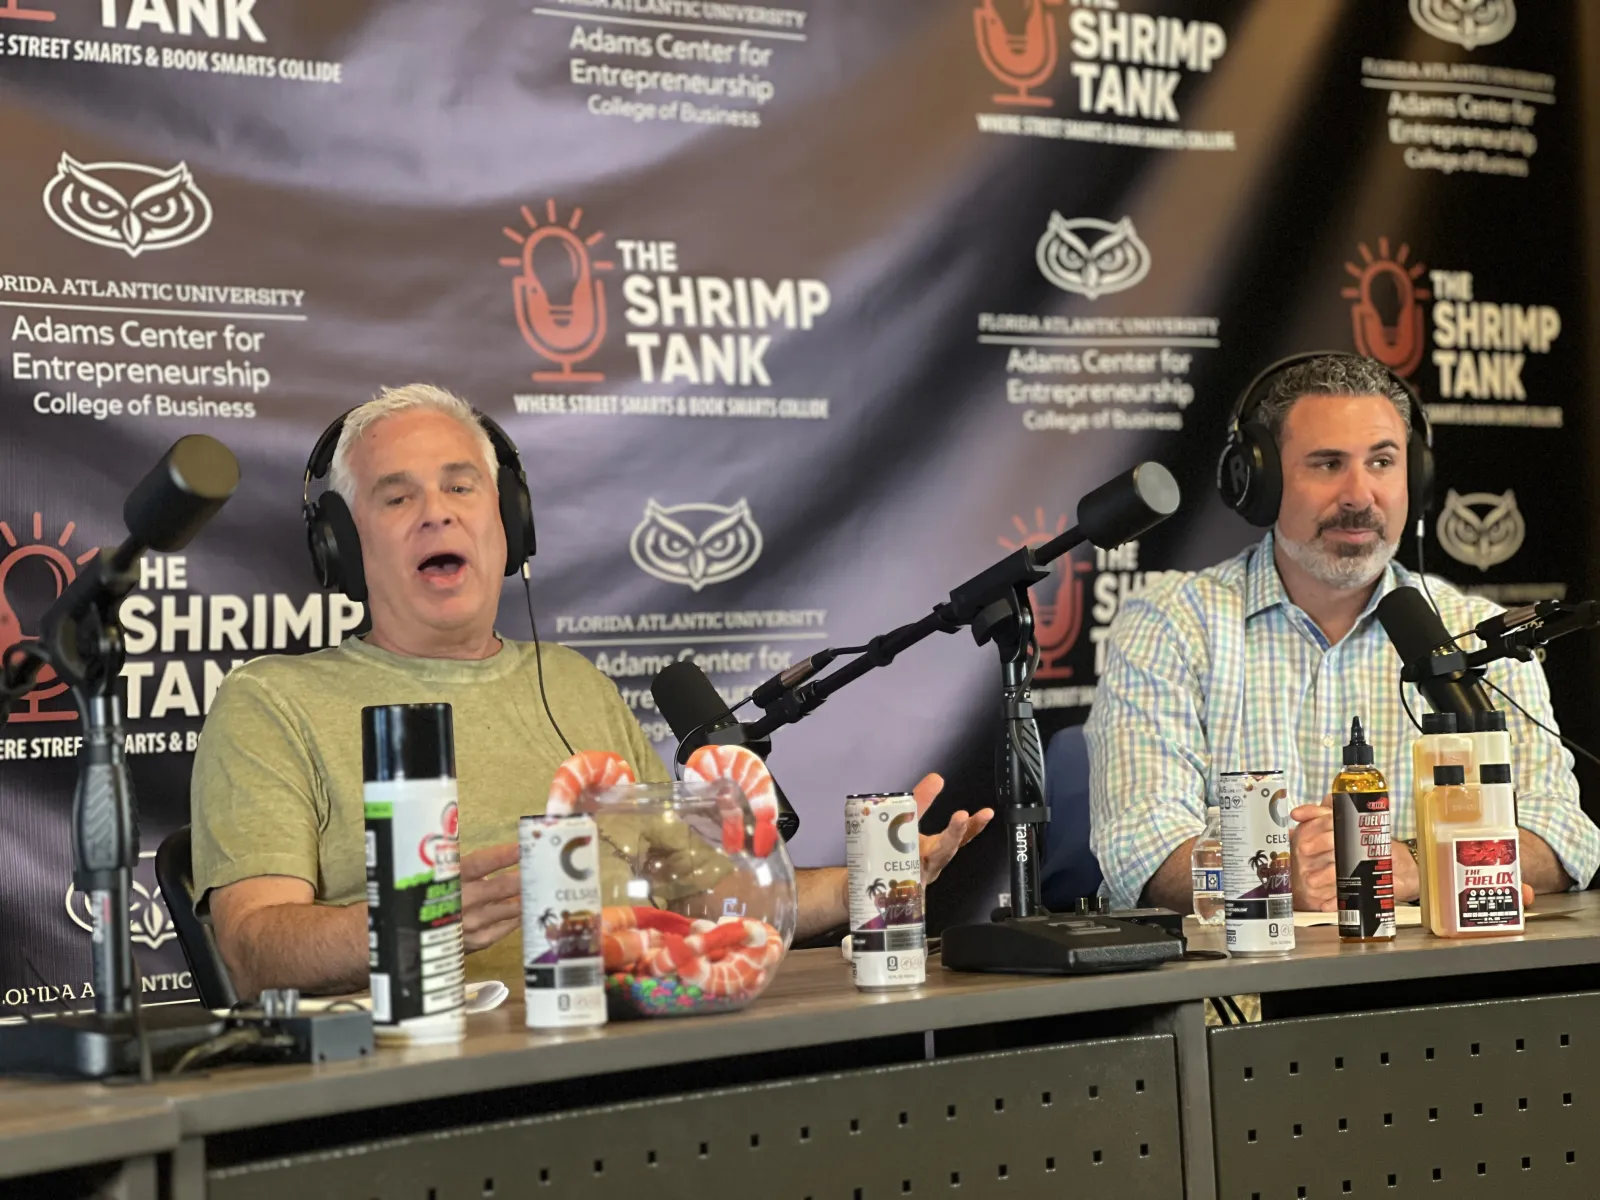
<point x="812" y="1002"/>
<point x="1187" y="1024"/>
<point x="1088" y="1119"/>
<point x="1485" y="1099"/>
<point x="45" y="1127"/>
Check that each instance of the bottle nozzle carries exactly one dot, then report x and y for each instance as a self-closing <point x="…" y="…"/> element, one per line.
<point x="1356" y="752"/>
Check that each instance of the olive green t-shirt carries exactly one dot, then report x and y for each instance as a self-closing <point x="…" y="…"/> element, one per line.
<point x="277" y="787"/>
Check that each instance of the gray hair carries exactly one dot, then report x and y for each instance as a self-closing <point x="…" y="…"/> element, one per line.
<point x="398" y="400"/>
<point x="1330" y="375"/>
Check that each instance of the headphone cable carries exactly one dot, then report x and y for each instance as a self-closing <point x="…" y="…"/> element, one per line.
<point x="538" y="658"/>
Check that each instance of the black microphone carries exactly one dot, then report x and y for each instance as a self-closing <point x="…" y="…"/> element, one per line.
<point x="181" y="493"/>
<point x="699" y="716"/>
<point x="1118" y="511"/>
<point x="1429" y="656"/>
<point x="769" y="692"/>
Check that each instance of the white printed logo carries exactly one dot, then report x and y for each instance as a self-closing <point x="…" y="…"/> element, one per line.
<point x="696" y="544"/>
<point x="148" y="919"/>
<point x="127" y="206"/>
<point x="1467" y="23"/>
<point x="1481" y="529"/>
<point x="1092" y="257"/>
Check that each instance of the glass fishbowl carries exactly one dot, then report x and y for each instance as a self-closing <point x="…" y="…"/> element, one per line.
<point x="694" y="920"/>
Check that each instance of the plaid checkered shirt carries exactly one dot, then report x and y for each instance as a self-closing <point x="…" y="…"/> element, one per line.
<point x="1218" y="670"/>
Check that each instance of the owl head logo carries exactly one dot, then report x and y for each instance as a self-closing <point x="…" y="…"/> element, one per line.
<point x="696" y="544"/>
<point x="1481" y="529"/>
<point x="1092" y="257"/>
<point x="1467" y="23"/>
<point x="127" y="206"/>
<point x="148" y="920"/>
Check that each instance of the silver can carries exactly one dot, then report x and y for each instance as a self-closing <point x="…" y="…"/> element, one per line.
<point x="562" y="963"/>
<point x="1255" y="862"/>
<point x="888" y="939"/>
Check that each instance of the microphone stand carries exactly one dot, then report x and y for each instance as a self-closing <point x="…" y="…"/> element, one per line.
<point x="81" y="640"/>
<point x="1515" y="633"/>
<point x="1518" y="632"/>
<point x="996" y="606"/>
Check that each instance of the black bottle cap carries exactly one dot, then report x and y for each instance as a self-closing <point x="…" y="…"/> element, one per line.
<point x="1494" y="773"/>
<point x="1438" y="722"/>
<point x="1447" y="774"/>
<point x="1489" y="722"/>
<point x="407" y="741"/>
<point x="1356" y="752"/>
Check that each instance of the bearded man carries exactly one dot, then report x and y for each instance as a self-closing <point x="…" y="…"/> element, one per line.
<point x="1260" y="662"/>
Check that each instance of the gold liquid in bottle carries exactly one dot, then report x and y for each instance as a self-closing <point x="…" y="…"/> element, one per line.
<point x="1363" y="825"/>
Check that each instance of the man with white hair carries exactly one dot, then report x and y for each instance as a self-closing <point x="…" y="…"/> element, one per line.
<point x="1260" y="662"/>
<point x="276" y="797"/>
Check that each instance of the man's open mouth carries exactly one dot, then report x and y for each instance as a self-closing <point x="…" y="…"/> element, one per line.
<point x="441" y="565"/>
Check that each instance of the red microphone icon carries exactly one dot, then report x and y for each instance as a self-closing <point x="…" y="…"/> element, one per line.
<point x="1020" y="60"/>
<point x="561" y="305"/>
<point x="1397" y="344"/>
<point x="10" y="9"/>
<point x="63" y="572"/>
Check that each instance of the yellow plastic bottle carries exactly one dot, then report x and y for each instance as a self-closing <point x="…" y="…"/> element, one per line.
<point x="1439" y="745"/>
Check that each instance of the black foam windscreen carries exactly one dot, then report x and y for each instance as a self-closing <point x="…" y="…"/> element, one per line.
<point x="181" y="493"/>
<point x="1129" y="505"/>
<point x="688" y="701"/>
<point x="1413" y="627"/>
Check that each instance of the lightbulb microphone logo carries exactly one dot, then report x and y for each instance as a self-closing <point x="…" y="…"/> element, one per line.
<point x="1022" y="60"/>
<point x="62" y="570"/>
<point x="10" y="10"/>
<point x="1058" y="602"/>
<point x="559" y="299"/>
<point x="1385" y="281"/>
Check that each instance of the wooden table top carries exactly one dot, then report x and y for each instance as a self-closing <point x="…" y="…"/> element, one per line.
<point x="812" y="1002"/>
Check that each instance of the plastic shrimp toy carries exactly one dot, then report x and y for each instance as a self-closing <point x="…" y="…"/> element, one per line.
<point x="658" y="961"/>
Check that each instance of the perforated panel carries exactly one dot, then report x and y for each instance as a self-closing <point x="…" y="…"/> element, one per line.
<point x="1486" y="1099"/>
<point x="1090" y="1119"/>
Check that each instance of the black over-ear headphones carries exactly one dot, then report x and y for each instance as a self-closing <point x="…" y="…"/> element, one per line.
<point x="331" y="530"/>
<point x="1250" y="471"/>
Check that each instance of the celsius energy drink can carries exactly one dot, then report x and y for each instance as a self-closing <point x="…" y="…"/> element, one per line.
<point x="561" y="952"/>
<point x="1255" y="862"/>
<point x="414" y="937"/>
<point x="888" y="942"/>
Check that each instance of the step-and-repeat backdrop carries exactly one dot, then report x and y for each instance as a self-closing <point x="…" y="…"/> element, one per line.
<point x="800" y="312"/>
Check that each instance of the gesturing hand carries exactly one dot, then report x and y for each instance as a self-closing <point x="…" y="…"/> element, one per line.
<point x="491" y="904"/>
<point x="1311" y="863"/>
<point x="939" y="848"/>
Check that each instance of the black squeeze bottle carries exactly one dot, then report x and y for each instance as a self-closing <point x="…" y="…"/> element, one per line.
<point x="1362" y="827"/>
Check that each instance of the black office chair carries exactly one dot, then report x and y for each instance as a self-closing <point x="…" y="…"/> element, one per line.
<point x="1070" y="868"/>
<point x="175" y="875"/>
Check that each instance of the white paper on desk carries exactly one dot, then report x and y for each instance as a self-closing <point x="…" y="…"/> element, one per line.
<point x="1404" y="915"/>
<point x="481" y="997"/>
